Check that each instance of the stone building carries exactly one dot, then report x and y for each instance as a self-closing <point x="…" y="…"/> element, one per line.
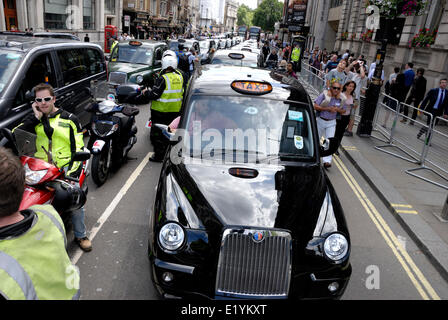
<point x="80" y="17"/>
<point x="230" y="15"/>
<point x="340" y="24"/>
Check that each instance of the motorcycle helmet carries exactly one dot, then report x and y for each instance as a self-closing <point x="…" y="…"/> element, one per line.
<point x="169" y="61"/>
<point x="168" y="53"/>
<point x="67" y="197"/>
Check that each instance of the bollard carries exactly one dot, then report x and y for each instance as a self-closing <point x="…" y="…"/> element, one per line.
<point x="445" y="210"/>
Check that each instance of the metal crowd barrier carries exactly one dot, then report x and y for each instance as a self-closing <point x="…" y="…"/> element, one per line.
<point x="431" y="148"/>
<point x="435" y="153"/>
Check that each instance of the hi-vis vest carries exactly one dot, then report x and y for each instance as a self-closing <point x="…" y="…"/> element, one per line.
<point x="66" y="140"/>
<point x="171" y="98"/>
<point x="295" y="54"/>
<point x="35" y="265"/>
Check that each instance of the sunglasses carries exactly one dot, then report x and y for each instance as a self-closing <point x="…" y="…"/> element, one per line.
<point x="336" y="88"/>
<point x="46" y="99"/>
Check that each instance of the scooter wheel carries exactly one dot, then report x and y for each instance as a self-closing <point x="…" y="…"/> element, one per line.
<point x="100" y="170"/>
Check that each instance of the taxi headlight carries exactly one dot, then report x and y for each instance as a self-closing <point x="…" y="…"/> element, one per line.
<point x="139" y="79"/>
<point x="171" y="236"/>
<point x="336" y="246"/>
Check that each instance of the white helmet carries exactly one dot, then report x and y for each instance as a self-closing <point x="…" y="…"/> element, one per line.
<point x="169" y="61"/>
<point x="169" y="53"/>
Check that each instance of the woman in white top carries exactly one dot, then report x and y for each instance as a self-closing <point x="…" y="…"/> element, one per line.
<point x="341" y="123"/>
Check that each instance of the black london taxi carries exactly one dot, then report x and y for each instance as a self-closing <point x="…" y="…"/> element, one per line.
<point x="136" y="61"/>
<point x="68" y="66"/>
<point x="243" y="207"/>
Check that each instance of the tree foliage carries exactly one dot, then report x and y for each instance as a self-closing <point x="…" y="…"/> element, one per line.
<point x="267" y="14"/>
<point x="244" y="15"/>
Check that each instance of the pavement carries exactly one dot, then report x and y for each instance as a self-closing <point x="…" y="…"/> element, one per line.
<point x="416" y="204"/>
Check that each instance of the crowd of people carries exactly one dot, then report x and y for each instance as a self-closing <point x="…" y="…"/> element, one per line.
<point x="345" y="79"/>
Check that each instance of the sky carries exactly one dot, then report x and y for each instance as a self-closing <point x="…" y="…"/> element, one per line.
<point x="250" y="3"/>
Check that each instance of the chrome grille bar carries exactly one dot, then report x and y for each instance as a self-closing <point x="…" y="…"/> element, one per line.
<point x="248" y="267"/>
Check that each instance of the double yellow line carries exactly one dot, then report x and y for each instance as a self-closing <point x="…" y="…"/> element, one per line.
<point x="417" y="278"/>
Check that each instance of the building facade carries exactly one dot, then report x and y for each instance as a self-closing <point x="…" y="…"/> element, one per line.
<point x="230" y="15"/>
<point x="341" y="25"/>
<point x="80" y="17"/>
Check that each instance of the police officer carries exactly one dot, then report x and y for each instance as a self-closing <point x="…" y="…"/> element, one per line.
<point x="47" y="121"/>
<point x="114" y="43"/>
<point x="295" y="57"/>
<point x="33" y="259"/>
<point x="166" y="96"/>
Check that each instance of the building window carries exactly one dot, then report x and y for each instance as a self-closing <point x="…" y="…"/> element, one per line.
<point x="88" y="14"/>
<point x="163" y="9"/>
<point x="335" y="3"/>
<point x="55" y="14"/>
<point x="142" y="6"/>
<point x="109" y="7"/>
<point x="154" y="7"/>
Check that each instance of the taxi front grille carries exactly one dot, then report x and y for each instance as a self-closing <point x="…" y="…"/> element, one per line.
<point x="248" y="268"/>
<point x="118" y="77"/>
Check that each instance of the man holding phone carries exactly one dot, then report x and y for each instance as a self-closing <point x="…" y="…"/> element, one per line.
<point x="65" y="131"/>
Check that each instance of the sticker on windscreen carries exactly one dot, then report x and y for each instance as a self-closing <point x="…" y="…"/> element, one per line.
<point x="13" y="56"/>
<point x="295" y="115"/>
<point x="251" y="110"/>
<point x="298" y="142"/>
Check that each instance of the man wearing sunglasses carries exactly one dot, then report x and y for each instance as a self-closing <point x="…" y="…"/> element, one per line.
<point x="328" y="104"/>
<point x="65" y="131"/>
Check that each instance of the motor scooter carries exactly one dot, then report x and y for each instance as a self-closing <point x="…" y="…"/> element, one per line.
<point x="46" y="183"/>
<point x="112" y="129"/>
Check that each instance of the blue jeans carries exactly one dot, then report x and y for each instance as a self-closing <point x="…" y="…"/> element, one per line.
<point x="79" y="227"/>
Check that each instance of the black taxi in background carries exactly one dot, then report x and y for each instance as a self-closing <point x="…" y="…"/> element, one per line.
<point x="136" y="61"/>
<point x="243" y="207"/>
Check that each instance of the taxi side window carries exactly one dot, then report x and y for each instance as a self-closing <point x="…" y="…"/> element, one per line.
<point x="73" y="65"/>
<point x="41" y="70"/>
<point x="94" y="61"/>
<point x="158" y="54"/>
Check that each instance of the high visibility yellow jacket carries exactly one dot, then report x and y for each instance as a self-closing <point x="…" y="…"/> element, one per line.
<point x="171" y="98"/>
<point x="67" y="138"/>
<point x="295" y="55"/>
<point x="35" y="265"/>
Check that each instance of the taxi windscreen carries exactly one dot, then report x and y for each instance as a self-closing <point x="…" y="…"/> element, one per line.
<point x="132" y="54"/>
<point x="256" y="129"/>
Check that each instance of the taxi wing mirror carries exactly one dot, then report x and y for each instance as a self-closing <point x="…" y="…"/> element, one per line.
<point x="29" y="95"/>
<point x="329" y="147"/>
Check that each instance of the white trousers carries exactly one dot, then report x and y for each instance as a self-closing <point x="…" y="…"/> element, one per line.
<point x="326" y="129"/>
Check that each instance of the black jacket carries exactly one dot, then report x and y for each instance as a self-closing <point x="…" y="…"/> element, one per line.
<point x="418" y="88"/>
<point x="430" y="100"/>
<point x="397" y="88"/>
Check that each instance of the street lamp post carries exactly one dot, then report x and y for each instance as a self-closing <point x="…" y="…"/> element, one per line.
<point x="373" y="91"/>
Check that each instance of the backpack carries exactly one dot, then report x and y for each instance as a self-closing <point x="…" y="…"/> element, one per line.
<point x="183" y="63"/>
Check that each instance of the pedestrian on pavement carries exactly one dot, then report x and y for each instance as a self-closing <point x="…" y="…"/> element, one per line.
<point x="342" y="122"/>
<point x="436" y="103"/>
<point x="34" y="264"/>
<point x="416" y="95"/>
<point x="295" y="57"/>
<point x="346" y="54"/>
<point x="357" y="73"/>
<point x="392" y="104"/>
<point x="332" y="64"/>
<point x="290" y="70"/>
<point x="338" y="74"/>
<point x="409" y="76"/>
<point x="265" y="50"/>
<point x="86" y="38"/>
<point x="328" y="104"/>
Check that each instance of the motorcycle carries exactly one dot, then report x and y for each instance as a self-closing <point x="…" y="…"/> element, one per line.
<point x="46" y="183"/>
<point x="112" y="128"/>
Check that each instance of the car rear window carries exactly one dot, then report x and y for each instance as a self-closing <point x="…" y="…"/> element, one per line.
<point x="133" y="54"/>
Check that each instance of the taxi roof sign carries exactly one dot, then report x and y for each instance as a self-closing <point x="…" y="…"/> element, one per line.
<point x="251" y="87"/>
<point x="135" y="43"/>
<point x="235" y="55"/>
